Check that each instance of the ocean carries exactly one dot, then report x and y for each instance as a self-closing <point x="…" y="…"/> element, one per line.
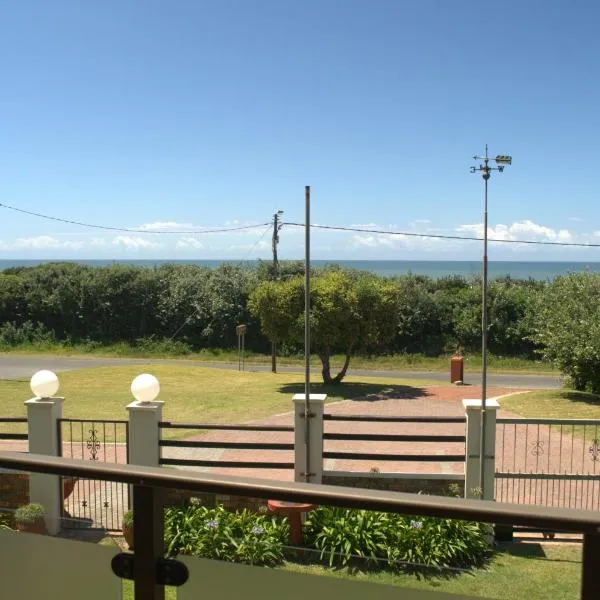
<point x="433" y="268"/>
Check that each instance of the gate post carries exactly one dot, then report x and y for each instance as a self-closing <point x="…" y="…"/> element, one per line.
<point x="308" y="458"/>
<point x="144" y="433"/>
<point x="43" y="415"/>
<point x="473" y="445"/>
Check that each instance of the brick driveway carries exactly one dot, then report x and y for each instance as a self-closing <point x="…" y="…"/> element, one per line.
<point x="427" y="401"/>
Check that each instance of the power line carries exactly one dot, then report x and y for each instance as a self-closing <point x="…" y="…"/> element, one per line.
<point x="444" y="237"/>
<point x="126" y="230"/>
<point x="258" y="241"/>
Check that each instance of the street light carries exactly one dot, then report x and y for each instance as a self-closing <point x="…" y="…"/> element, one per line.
<point x="501" y="161"/>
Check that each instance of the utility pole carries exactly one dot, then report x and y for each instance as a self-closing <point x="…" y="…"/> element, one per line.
<point x="501" y="160"/>
<point x="275" y="241"/>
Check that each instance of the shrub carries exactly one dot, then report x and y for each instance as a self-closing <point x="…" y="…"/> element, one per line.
<point x="343" y="534"/>
<point x="7" y="519"/>
<point x="128" y="519"/>
<point x="216" y="533"/>
<point x="12" y="334"/>
<point x="436" y="541"/>
<point x="29" y="513"/>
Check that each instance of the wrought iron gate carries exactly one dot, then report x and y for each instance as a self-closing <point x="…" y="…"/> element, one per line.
<point x="551" y="462"/>
<point x="88" y="502"/>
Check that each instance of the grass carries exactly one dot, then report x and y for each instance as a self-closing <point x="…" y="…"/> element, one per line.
<point x="417" y="362"/>
<point x="532" y="571"/>
<point x="195" y="394"/>
<point x="554" y="404"/>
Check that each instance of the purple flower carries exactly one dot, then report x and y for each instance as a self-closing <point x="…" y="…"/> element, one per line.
<point x="211" y="524"/>
<point x="416" y="524"/>
<point x="257" y="530"/>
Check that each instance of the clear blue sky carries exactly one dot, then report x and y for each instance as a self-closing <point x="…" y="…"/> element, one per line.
<point x="197" y="114"/>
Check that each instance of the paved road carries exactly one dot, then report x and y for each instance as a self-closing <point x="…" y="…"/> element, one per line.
<point x="14" y="366"/>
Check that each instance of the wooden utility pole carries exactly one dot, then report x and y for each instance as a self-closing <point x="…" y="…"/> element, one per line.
<point x="275" y="241"/>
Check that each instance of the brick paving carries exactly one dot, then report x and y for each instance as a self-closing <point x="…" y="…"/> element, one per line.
<point x="428" y="401"/>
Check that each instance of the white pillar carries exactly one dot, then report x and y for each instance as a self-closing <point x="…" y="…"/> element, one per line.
<point x="144" y="433"/>
<point x="473" y="434"/>
<point x="42" y="426"/>
<point x="315" y="440"/>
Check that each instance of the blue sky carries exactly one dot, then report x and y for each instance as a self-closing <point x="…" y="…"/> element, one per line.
<point x="188" y="114"/>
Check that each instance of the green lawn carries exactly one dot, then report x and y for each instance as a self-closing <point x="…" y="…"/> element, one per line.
<point x="531" y="571"/>
<point x="194" y="394"/>
<point x="554" y="404"/>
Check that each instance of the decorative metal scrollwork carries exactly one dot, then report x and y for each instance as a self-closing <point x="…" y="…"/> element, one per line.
<point x="537" y="448"/>
<point x="93" y="445"/>
<point x="594" y="450"/>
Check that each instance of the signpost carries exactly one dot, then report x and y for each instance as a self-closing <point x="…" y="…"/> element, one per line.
<point x="241" y="334"/>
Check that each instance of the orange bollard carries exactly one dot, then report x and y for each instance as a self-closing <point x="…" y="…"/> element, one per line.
<point x="457" y="369"/>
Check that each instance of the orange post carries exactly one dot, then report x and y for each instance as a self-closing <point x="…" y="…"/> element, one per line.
<point x="457" y="369"/>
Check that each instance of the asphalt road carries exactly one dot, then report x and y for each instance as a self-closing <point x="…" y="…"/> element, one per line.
<point x="14" y="366"/>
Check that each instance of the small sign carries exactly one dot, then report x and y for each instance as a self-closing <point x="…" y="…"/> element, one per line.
<point x="241" y="329"/>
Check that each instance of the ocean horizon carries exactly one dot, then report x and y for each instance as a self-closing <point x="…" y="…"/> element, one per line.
<point x="539" y="270"/>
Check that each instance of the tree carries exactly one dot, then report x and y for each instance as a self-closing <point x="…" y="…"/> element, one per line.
<point x="567" y="327"/>
<point x="350" y="312"/>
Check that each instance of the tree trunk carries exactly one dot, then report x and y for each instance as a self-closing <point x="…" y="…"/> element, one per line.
<point x="338" y="378"/>
<point x="326" y="369"/>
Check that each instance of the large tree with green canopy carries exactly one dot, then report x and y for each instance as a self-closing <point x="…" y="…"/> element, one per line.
<point x="350" y="312"/>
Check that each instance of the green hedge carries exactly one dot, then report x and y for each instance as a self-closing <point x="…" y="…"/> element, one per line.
<point x="197" y="307"/>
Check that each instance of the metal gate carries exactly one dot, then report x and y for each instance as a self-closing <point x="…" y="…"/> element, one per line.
<point x="88" y="502"/>
<point x="550" y="462"/>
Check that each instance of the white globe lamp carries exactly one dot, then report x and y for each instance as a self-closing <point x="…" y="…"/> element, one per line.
<point x="145" y="387"/>
<point x="44" y="384"/>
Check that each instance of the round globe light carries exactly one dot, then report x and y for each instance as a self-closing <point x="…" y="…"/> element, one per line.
<point x="145" y="387"/>
<point x="44" y="384"/>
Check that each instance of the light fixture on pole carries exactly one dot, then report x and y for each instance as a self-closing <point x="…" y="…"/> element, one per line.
<point x="501" y="161"/>
<point x="44" y="384"/>
<point x="145" y="388"/>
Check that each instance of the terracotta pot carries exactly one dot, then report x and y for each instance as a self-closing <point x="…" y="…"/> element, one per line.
<point x="35" y="527"/>
<point x="128" y="535"/>
<point x="68" y="486"/>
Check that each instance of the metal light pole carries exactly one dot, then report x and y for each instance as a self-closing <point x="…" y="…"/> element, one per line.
<point x="275" y="241"/>
<point x="307" y="329"/>
<point x="501" y="161"/>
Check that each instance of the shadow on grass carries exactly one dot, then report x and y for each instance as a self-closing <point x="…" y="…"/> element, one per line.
<point x="531" y="550"/>
<point x="361" y="392"/>
<point x="583" y="397"/>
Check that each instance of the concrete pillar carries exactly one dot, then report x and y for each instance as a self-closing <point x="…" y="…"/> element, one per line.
<point x="144" y="433"/>
<point x="42" y="426"/>
<point x="473" y="433"/>
<point x="315" y="440"/>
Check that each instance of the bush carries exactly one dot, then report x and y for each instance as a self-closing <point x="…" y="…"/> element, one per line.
<point x="12" y="334"/>
<point x="30" y="513"/>
<point x="128" y="519"/>
<point x="343" y="534"/>
<point x="567" y="327"/>
<point x="216" y="533"/>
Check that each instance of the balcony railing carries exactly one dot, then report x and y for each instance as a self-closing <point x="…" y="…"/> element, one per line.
<point x="150" y="571"/>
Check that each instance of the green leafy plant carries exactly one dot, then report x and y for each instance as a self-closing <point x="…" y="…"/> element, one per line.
<point x="30" y="513"/>
<point x="436" y="541"/>
<point x="341" y="534"/>
<point x="344" y="534"/>
<point x="216" y="533"/>
<point x="128" y="519"/>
